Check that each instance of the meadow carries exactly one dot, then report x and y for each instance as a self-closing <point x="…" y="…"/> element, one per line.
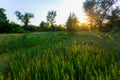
<point x="60" y="56"/>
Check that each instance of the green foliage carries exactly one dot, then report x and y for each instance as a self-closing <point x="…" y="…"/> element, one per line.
<point x="97" y="12"/>
<point x="25" y="18"/>
<point x="114" y="19"/>
<point x="61" y="28"/>
<point x="32" y="28"/>
<point x="51" y="18"/>
<point x="113" y="23"/>
<point x="16" y="28"/>
<point x="44" y="26"/>
<point x="4" y="23"/>
<point x="2" y="14"/>
<point x="89" y="10"/>
<point x="47" y="56"/>
<point x="4" y="26"/>
<point x="72" y="23"/>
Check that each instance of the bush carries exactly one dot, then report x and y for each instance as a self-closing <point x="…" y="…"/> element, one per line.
<point x="60" y="28"/>
<point x="4" y="26"/>
<point x="45" y="26"/>
<point x="16" y="28"/>
<point x="32" y="28"/>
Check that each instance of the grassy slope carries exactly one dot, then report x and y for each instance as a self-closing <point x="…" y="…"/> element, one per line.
<point x="59" y="56"/>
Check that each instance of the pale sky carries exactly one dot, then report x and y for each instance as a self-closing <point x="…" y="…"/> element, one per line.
<point x="40" y="8"/>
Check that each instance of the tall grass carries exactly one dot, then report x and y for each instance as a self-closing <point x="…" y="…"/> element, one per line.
<point x="58" y="56"/>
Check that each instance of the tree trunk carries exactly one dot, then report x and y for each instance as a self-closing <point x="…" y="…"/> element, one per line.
<point x="25" y="26"/>
<point x="100" y="25"/>
<point x="91" y="25"/>
<point x="52" y="27"/>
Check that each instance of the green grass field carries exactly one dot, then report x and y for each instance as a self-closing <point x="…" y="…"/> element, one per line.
<point x="60" y="56"/>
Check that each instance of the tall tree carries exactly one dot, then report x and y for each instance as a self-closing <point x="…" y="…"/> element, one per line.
<point x="51" y="18"/>
<point x="2" y="14"/>
<point x="4" y="23"/>
<point x="88" y="7"/>
<point x="25" y="18"/>
<point x="72" y="23"/>
<point x="97" y="11"/>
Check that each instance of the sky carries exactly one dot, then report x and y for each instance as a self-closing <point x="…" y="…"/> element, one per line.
<point x="40" y="9"/>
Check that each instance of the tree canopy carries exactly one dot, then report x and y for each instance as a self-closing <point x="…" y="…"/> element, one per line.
<point x="72" y="23"/>
<point x="2" y="14"/>
<point x="97" y="11"/>
<point x="25" y="18"/>
<point x="51" y="18"/>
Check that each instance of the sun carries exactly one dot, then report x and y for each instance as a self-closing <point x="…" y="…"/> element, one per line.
<point x="83" y="19"/>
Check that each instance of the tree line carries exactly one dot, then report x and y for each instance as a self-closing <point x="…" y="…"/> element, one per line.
<point x="102" y="15"/>
<point x="11" y="27"/>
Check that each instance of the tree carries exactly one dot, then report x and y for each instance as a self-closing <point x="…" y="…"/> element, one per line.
<point x="25" y="18"/>
<point x="4" y="23"/>
<point x="51" y="18"/>
<point x="88" y="7"/>
<point x="60" y="27"/>
<point x="72" y="23"/>
<point x="44" y="26"/>
<point x="6" y="26"/>
<point x="114" y="17"/>
<point x="97" y="11"/>
<point x="15" y="28"/>
<point x="2" y="14"/>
